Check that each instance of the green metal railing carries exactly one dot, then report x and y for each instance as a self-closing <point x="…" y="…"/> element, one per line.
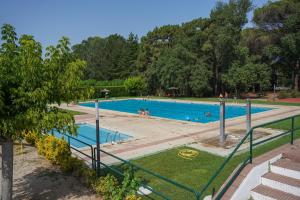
<point x="249" y="158"/>
<point x="248" y="138"/>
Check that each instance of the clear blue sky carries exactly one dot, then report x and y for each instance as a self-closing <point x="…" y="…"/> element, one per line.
<point x="49" y="20"/>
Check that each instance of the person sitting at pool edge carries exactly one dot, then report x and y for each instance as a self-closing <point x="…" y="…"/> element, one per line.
<point x="141" y="111"/>
<point x="147" y="112"/>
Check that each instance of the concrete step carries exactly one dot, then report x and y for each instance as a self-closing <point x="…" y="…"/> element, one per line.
<point x="292" y="155"/>
<point x="283" y="183"/>
<point x="286" y="167"/>
<point x="262" y="192"/>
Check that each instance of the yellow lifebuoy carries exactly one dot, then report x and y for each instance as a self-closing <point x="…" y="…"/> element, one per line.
<point x="188" y="154"/>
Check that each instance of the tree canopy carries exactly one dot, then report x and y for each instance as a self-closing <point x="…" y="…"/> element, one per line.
<point x="206" y="56"/>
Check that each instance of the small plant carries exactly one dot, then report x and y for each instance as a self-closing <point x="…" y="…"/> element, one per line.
<point x="109" y="187"/>
<point x="133" y="197"/>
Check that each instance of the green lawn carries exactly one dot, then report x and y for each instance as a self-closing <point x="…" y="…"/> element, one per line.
<point x="73" y="112"/>
<point x="195" y="173"/>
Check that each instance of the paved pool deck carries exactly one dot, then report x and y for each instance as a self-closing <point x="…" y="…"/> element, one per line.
<point x="153" y="134"/>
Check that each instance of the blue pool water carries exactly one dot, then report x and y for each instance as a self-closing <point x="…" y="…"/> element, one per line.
<point x="87" y="134"/>
<point x="194" y="112"/>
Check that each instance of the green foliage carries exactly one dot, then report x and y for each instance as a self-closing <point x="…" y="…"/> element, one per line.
<point x="279" y="23"/>
<point x="110" y="188"/>
<point x="94" y="82"/>
<point x="114" y="91"/>
<point x="202" y="57"/>
<point x="108" y="58"/>
<point x="31" y="137"/>
<point x="106" y="186"/>
<point x="135" y="85"/>
<point x="288" y="94"/>
<point x="29" y="83"/>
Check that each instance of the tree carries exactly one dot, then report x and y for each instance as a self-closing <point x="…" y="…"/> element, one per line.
<point x="246" y="73"/>
<point x="226" y="22"/>
<point x="113" y="57"/>
<point x="29" y="86"/>
<point x="280" y="21"/>
<point x="135" y="85"/>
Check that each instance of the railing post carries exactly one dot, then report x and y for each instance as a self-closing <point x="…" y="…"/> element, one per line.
<point x="97" y="138"/>
<point x="222" y="121"/>
<point x="292" y="131"/>
<point x="248" y="115"/>
<point x="198" y="195"/>
<point x="251" y="146"/>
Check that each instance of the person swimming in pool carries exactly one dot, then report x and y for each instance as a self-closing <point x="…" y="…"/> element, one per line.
<point x="207" y="114"/>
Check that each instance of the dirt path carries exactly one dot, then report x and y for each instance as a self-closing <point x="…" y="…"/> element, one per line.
<point x="36" y="178"/>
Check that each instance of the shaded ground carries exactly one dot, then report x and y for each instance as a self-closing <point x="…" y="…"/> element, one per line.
<point x="36" y="178"/>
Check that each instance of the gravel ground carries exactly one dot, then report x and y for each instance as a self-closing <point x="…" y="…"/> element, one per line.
<point x="35" y="178"/>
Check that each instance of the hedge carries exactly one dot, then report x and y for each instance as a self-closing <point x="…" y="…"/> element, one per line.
<point x="114" y="91"/>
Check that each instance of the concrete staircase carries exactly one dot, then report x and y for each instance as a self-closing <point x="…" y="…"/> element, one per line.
<point x="282" y="182"/>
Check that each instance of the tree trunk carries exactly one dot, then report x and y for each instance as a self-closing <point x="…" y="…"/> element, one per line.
<point x="7" y="169"/>
<point x="296" y="75"/>
<point x="216" y="81"/>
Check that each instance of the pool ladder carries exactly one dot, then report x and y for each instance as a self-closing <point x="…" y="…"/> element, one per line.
<point x="113" y="137"/>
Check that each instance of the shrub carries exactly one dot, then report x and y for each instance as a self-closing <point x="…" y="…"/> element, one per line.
<point x="55" y="150"/>
<point x="133" y="197"/>
<point x="114" y="91"/>
<point x="283" y="95"/>
<point x="295" y="94"/>
<point x="109" y="187"/>
<point x="135" y="85"/>
<point x="31" y="137"/>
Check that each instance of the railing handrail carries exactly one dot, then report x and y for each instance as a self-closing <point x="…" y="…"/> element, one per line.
<point x="238" y="146"/>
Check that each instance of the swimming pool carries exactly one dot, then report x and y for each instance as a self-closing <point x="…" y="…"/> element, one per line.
<point x="87" y="134"/>
<point x="195" y="112"/>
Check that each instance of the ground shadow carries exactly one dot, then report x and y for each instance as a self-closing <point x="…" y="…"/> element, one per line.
<point x="44" y="183"/>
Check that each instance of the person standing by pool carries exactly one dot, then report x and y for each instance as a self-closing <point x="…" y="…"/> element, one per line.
<point x="226" y="96"/>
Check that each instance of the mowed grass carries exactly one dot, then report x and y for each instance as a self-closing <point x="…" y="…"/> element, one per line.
<point x="73" y="112"/>
<point x="195" y="173"/>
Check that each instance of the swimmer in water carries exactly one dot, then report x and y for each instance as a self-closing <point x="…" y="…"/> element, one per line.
<point x="207" y="114"/>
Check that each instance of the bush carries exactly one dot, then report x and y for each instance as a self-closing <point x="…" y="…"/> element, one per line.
<point x="295" y="94"/>
<point x="31" y="137"/>
<point x="55" y="150"/>
<point x="114" y="91"/>
<point x="106" y="186"/>
<point x="133" y="197"/>
<point x="288" y="94"/>
<point x="109" y="187"/>
<point x="135" y="85"/>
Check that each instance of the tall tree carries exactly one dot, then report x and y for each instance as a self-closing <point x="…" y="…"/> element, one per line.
<point x="29" y="85"/>
<point x="280" y="21"/>
<point x="223" y="34"/>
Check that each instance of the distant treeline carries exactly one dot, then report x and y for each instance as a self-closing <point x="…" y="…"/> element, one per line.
<point x="206" y="56"/>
